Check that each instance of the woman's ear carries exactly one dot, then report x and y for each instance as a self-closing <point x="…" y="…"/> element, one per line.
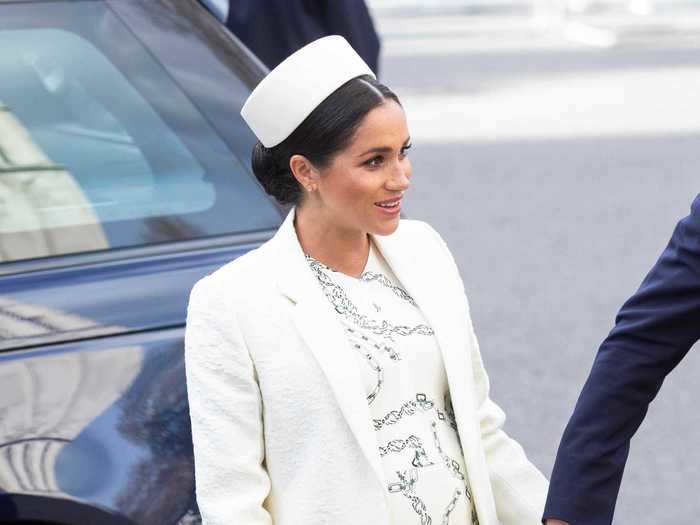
<point x="304" y="172"/>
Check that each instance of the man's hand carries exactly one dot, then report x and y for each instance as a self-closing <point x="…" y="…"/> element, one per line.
<point x="555" y="522"/>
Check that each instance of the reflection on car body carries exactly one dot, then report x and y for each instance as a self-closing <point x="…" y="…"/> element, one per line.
<point x="123" y="180"/>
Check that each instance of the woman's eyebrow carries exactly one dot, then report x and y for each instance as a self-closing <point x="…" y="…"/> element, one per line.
<point x="383" y="149"/>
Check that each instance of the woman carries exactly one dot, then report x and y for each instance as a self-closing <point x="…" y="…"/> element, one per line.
<point x="333" y="373"/>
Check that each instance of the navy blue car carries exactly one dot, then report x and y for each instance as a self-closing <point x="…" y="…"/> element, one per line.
<point x="124" y="178"/>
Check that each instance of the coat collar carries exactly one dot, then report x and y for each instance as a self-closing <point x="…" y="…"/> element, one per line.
<point x="318" y="326"/>
<point x="294" y="277"/>
<point x="428" y="282"/>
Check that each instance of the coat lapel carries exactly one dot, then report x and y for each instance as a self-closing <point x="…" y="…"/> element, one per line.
<point x="431" y="286"/>
<point x="431" y="283"/>
<point x="317" y="323"/>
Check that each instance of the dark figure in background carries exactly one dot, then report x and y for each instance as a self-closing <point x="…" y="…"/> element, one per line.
<point x="274" y="29"/>
<point x="653" y="332"/>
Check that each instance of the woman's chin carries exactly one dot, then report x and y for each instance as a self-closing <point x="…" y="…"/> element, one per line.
<point x="386" y="227"/>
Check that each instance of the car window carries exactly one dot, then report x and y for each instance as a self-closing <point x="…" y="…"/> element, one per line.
<point x="100" y="148"/>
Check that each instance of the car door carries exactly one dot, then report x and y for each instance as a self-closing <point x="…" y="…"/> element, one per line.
<point x="124" y="179"/>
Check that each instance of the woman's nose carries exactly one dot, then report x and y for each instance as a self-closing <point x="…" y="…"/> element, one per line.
<point x="401" y="176"/>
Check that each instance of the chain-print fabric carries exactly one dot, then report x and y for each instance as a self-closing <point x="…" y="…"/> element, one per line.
<point x="344" y="306"/>
<point x="406" y="388"/>
<point x="382" y="279"/>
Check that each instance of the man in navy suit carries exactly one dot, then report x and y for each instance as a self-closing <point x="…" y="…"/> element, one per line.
<point x="274" y="29"/>
<point x="653" y="331"/>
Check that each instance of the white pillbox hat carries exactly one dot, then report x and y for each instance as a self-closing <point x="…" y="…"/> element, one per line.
<point x="292" y="90"/>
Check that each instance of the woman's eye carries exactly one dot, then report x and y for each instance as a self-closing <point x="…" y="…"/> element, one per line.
<point x="374" y="161"/>
<point x="377" y="161"/>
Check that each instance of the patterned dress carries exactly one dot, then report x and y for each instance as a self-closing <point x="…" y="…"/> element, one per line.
<point x="406" y="387"/>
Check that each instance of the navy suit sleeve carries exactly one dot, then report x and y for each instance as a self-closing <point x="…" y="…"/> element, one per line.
<point x="653" y="331"/>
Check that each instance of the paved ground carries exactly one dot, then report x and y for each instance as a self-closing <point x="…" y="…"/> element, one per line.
<point x="555" y="160"/>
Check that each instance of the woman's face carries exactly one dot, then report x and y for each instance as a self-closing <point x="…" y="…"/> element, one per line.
<point x="361" y="189"/>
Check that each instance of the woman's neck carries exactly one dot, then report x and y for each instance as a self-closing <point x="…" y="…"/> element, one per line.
<point x="342" y="249"/>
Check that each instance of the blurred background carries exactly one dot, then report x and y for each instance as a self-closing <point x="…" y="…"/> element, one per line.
<point x="556" y="144"/>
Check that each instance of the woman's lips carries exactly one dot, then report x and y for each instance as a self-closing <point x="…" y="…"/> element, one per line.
<point x="389" y="207"/>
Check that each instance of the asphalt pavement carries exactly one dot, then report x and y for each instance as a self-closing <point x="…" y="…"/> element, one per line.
<point x="555" y="155"/>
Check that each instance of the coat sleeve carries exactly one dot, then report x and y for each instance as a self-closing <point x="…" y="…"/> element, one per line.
<point x="225" y="411"/>
<point x="519" y="488"/>
<point x="653" y="331"/>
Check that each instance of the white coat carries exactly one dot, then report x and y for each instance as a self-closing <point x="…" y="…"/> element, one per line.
<point x="281" y="428"/>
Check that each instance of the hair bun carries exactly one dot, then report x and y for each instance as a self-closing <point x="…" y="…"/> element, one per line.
<point x="275" y="179"/>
